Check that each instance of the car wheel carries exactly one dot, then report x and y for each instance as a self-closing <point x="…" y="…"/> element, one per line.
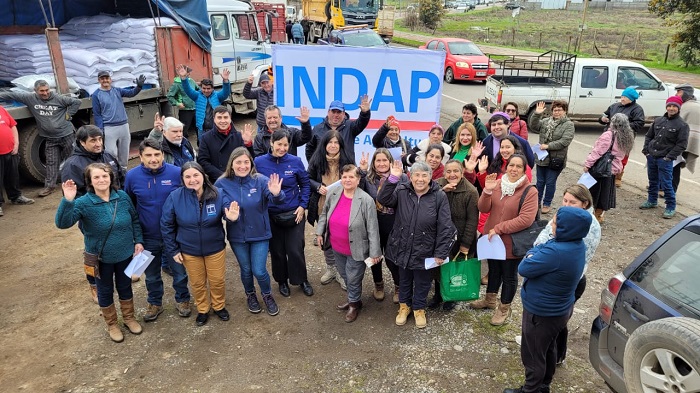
<point x="449" y="75"/>
<point x="664" y="356"/>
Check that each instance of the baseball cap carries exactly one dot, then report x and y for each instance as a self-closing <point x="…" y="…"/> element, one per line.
<point x="103" y="73"/>
<point x="337" y="105"/>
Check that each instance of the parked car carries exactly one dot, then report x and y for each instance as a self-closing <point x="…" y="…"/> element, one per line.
<point x="647" y="337"/>
<point x="355" y="36"/>
<point x="463" y="61"/>
<point x="451" y="4"/>
<point x="465" y="6"/>
<point x="511" y="5"/>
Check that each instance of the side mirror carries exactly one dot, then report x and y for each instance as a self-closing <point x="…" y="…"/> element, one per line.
<point x="268" y="24"/>
<point x="387" y="41"/>
<point x="661" y="86"/>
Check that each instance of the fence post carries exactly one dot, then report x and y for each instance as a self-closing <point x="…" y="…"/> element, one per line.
<point x="568" y="47"/>
<point x="540" y="43"/>
<point x="636" y="43"/>
<point x="488" y="31"/>
<point x="595" y="33"/>
<point x="512" y="42"/>
<point x="619" y="48"/>
<point x="668" y="48"/>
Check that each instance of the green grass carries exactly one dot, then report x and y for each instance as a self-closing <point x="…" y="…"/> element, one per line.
<point x="407" y="42"/>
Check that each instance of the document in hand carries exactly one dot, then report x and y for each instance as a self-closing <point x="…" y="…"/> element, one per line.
<point x="587" y="180"/>
<point x="494" y="249"/>
<point x="396" y="153"/>
<point x="139" y="264"/>
<point x="430" y="263"/>
<point x="541" y="154"/>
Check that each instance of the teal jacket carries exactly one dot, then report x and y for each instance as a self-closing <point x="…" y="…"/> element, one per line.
<point x="95" y="216"/>
<point x="176" y="94"/>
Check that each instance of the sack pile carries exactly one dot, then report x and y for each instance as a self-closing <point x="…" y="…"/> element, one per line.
<point x="124" y="46"/>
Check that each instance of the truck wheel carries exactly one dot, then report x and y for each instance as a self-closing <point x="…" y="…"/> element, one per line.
<point x="32" y="159"/>
<point x="664" y="355"/>
<point x="449" y="75"/>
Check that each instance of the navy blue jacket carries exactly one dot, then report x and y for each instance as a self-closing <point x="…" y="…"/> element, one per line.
<point x="215" y="149"/>
<point x="295" y="180"/>
<point x="149" y="190"/>
<point x="553" y="269"/>
<point x="527" y="150"/>
<point x="191" y="228"/>
<point x="253" y="198"/>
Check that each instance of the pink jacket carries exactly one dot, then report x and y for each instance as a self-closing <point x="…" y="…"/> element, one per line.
<point x="602" y="144"/>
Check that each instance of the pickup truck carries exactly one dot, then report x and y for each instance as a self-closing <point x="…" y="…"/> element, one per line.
<point x="589" y="85"/>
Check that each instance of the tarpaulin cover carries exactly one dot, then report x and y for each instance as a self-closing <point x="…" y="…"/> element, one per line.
<point x="190" y="14"/>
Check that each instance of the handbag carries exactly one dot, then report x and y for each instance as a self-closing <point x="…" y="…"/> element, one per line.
<point x="91" y="262"/>
<point x="556" y="163"/>
<point x="285" y="219"/>
<point x="460" y="279"/>
<point x="603" y="166"/>
<point x="523" y="240"/>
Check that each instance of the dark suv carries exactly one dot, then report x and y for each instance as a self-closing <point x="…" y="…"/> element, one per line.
<point x="647" y="337"/>
<point x="354" y="36"/>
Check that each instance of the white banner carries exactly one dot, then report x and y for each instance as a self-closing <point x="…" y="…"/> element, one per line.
<point x="404" y="83"/>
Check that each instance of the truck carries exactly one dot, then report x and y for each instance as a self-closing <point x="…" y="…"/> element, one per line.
<point x="589" y="85"/>
<point x="322" y="16"/>
<point x="234" y="42"/>
<point x="277" y="9"/>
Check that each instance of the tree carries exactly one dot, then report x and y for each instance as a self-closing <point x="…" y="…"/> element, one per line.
<point x="684" y="15"/>
<point x="430" y="12"/>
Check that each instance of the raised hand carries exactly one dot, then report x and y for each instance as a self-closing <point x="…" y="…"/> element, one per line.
<point x="158" y="122"/>
<point x="364" y="161"/>
<point x="389" y="119"/>
<point x="477" y="149"/>
<point x="275" y="184"/>
<point x="491" y="182"/>
<point x="540" y="107"/>
<point x="141" y="80"/>
<point x="304" y="114"/>
<point x="397" y="168"/>
<point x="181" y="71"/>
<point x="233" y="211"/>
<point x="70" y="190"/>
<point x="251" y="78"/>
<point x="247" y="133"/>
<point x="225" y="73"/>
<point x="471" y="164"/>
<point x="364" y="103"/>
<point x="483" y="163"/>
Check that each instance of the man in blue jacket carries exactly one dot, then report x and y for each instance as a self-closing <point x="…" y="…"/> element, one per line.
<point x="499" y="128"/>
<point x="551" y="271"/>
<point x="149" y="185"/>
<point x="205" y="100"/>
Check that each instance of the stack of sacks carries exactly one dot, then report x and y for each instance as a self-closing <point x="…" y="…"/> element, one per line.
<point x="26" y="83"/>
<point x="23" y="55"/>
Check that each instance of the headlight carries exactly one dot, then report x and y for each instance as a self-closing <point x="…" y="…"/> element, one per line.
<point x="462" y="64"/>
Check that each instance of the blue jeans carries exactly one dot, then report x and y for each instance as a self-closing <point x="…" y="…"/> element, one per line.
<point x="154" y="280"/>
<point x="546" y="184"/>
<point x="660" y="173"/>
<point x="353" y="272"/>
<point x="112" y="274"/>
<point x="414" y="287"/>
<point x="252" y="258"/>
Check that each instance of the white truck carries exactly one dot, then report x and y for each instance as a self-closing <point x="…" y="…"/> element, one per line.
<point x="589" y="85"/>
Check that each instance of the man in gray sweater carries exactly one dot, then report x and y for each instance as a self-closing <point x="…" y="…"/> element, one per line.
<point x="52" y="113"/>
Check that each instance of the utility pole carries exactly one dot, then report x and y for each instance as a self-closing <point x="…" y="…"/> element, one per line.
<point x="583" y="25"/>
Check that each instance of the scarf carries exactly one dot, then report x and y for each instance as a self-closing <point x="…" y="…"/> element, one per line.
<point x="381" y="208"/>
<point x="438" y="172"/>
<point x="508" y="188"/>
<point x="550" y="126"/>
<point x="224" y="132"/>
<point x="331" y="176"/>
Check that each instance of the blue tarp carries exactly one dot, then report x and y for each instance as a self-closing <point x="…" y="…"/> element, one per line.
<point x="190" y="14"/>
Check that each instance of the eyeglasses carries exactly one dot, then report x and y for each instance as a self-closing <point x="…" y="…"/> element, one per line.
<point x="511" y="110"/>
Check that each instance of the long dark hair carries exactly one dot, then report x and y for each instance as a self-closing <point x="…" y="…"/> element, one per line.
<point x="497" y="162"/>
<point x="319" y="160"/>
<point x="209" y="192"/>
<point x="372" y="174"/>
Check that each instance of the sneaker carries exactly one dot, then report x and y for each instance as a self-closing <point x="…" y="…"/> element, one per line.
<point x="270" y="304"/>
<point x="253" y="305"/>
<point x="669" y="213"/>
<point x="152" y="313"/>
<point x="330" y="275"/>
<point x="222" y="314"/>
<point x="341" y="282"/>
<point x="22" y="200"/>
<point x="202" y="319"/>
<point x="46" y="191"/>
<point x="546" y="210"/>
<point x="183" y="309"/>
<point x="648" y="205"/>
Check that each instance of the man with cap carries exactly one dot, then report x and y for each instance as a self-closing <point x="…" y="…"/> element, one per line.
<point x="273" y="120"/>
<point x="185" y="106"/>
<point x="690" y="113"/>
<point x="205" y="100"/>
<point x="666" y="139"/>
<point x="339" y="120"/>
<point x="110" y="115"/>
<point x="264" y="96"/>
<point x="52" y="113"/>
<point x="635" y="113"/>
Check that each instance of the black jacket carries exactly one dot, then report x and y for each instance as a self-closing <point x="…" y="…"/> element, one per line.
<point x="464" y="214"/>
<point x="73" y="167"/>
<point x="422" y="228"/>
<point x="349" y="129"/>
<point x="667" y="137"/>
<point x="215" y="149"/>
<point x="380" y="140"/>
<point x="261" y="145"/>
<point x="634" y="112"/>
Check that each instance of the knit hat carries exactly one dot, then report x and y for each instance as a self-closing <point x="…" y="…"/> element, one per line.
<point x="395" y="123"/>
<point x="264" y="77"/>
<point x="630" y="93"/>
<point x="439" y="127"/>
<point x="505" y="116"/>
<point x="674" y="100"/>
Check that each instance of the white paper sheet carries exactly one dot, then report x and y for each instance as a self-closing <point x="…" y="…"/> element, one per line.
<point x="541" y="154"/>
<point x="587" y="180"/>
<point x="678" y="160"/>
<point x="494" y="249"/>
<point x="396" y="153"/>
<point x="139" y="264"/>
<point x="430" y="263"/>
<point x="336" y="184"/>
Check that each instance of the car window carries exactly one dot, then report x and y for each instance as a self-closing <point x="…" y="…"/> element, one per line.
<point x="432" y="45"/>
<point x="594" y="77"/>
<point x="364" y="39"/>
<point x="464" y="48"/>
<point x="441" y="46"/>
<point x="672" y="273"/>
<point x="219" y="28"/>
<point x="246" y="27"/>
<point x="637" y="77"/>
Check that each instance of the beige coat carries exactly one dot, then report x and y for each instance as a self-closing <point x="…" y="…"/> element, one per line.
<point x="690" y="112"/>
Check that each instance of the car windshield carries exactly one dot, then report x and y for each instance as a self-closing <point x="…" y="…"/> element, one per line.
<point x="368" y="6"/>
<point x="364" y="39"/>
<point x="464" y="48"/>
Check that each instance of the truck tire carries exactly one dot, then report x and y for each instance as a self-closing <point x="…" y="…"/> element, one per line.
<point x="32" y="159"/>
<point x="664" y="355"/>
<point x="449" y="75"/>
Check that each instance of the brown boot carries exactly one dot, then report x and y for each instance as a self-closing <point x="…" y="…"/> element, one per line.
<point x="500" y="315"/>
<point x="599" y="215"/>
<point x="395" y="298"/>
<point x="618" y="179"/>
<point x="127" y="307"/>
<point x="93" y="293"/>
<point x="402" y="316"/>
<point x="378" y="291"/>
<point x="419" y="317"/>
<point x="110" y="316"/>
<point x="490" y="301"/>
<point x="353" y="311"/>
<point x="485" y="280"/>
